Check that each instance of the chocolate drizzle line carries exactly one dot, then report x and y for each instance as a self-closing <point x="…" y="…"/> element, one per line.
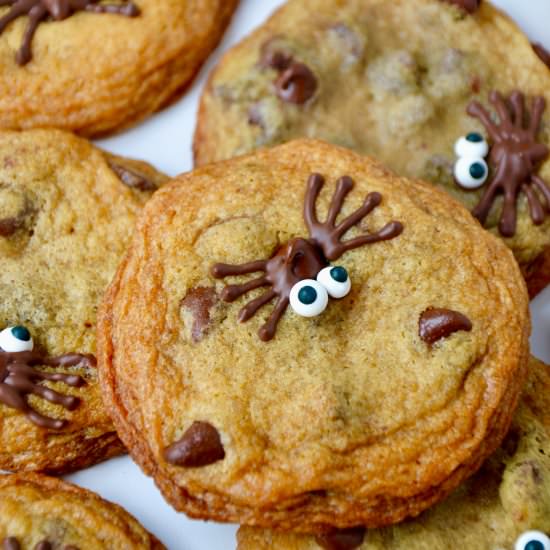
<point x="543" y="53"/>
<point x="200" y="446"/>
<point x="301" y="258"/>
<point x="11" y="543"/>
<point x="470" y="6"/>
<point x="514" y="158"/>
<point x="19" y="378"/>
<point x="296" y="82"/>
<point x="40" y="10"/>
<point x="345" y="539"/>
<point x="132" y="179"/>
<point x="437" y="323"/>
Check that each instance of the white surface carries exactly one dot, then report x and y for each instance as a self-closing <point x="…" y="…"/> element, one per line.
<point x="165" y="140"/>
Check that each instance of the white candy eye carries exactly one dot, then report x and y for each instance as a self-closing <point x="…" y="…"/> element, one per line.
<point x="16" y="339"/>
<point x="472" y="145"/>
<point x="336" y="280"/>
<point x="471" y="172"/>
<point x="308" y="298"/>
<point x="533" y="540"/>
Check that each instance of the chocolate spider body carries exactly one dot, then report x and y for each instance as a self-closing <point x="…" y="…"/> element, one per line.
<point x="300" y="258"/>
<point x="39" y="10"/>
<point x="19" y="378"/>
<point x="514" y="158"/>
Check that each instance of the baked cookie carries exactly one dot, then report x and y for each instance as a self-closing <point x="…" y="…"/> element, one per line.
<point x="401" y="81"/>
<point x="42" y="513"/>
<point x="396" y="389"/>
<point x="94" y="67"/>
<point x="499" y="507"/>
<point x="65" y="219"/>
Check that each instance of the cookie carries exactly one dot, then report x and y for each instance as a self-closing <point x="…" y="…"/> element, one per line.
<point x="43" y="513"/>
<point x="404" y="82"/>
<point x="499" y="507"/>
<point x="95" y="67"/>
<point x="381" y="346"/>
<point x="66" y="214"/>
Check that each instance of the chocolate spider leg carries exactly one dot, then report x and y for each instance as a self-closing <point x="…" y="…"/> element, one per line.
<point x="73" y="380"/>
<point x="16" y="11"/>
<point x="250" y="309"/>
<point x="517" y="101"/>
<point x="267" y="332"/>
<point x="483" y="207"/>
<point x="541" y="185"/>
<point x="219" y="271"/>
<point x="371" y="201"/>
<point x="129" y="10"/>
<point x="389" y="231"/>
<point x="69" y="402"/>
<point x="36" y="15"/>
<point x="7" y="2"/>
<point x="314" y="185"/>
<point x="44" y="421"/>
<point x="537" y="110"/>
<point x="231" y="292"/>
<point x="535" y="207"/>
<point x="343" y="187"/>
<point x="477" y="110"/>
<point x="500" y="106"/>
<point x="508" y="218"/>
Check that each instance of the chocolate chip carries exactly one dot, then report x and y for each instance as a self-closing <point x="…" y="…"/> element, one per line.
<point x="44" y="545"/>
<point x="199" y="301"/>
<point x="437" y="323"/>
<point x="200" y="446"/>
<point x="296" y="84"/>
<point x="345" y="539"/>
<point x="132" y="178"/>
<point x="277" y="59"/>
<point x="543" y="53"/>
<point x="8" y="226"/>
<point x="10" y="543"/>
<point x="470" y="6"/>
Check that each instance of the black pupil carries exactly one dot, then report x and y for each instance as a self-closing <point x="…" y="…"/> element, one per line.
<point x="534" y="545"/>
<point x="307" y="295"/>
<point x="339" y="274"/>
<point x="21" y="333"/>
<point x="477" y="170"/>
<point x="474" y="137"/>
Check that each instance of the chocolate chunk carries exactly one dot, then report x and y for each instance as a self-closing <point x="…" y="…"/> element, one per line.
<point x="437" y="323"/>
<point x="296" y="84"/>
<point x="275" y="59"/>
<point x="10" y="543"/>
<point x="199" y="301"/>
<point x="543" y="53"/>
<point x="44" y="545"/>
<point x="345" y="539"/>
<point x="132" y="179"/>
<point x="8" y="226"/>
<point x="471" y="6"/>
<point x="200" y="446"/>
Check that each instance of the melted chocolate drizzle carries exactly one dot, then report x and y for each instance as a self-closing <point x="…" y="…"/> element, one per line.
<point x="470" y="6"/>
<point x="19" y="378"/>
<point x="345" y="539"/>
<point x="437" y="323"/>
<point x="200" y="446"/>
<point x="301" y="258"/>
<point x="11" y="543"/>
<point x="40" y="10"/>
<point x="543" y="53"/>
<point x="132" y="179"/>
<point x="514" y="158"/>
<point x="296" y="82"/>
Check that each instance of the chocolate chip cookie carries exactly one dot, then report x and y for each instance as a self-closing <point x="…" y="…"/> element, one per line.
<point x="301" y="339"/>
<point x="505" y="505"/>
<point x="66" y="213"/>
<point x="94" y="67"/>
<point x="43" y="513"/>
<point x="449" y="92"/>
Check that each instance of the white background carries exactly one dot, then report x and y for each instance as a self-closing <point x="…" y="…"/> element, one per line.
<point x="165" y="140"/>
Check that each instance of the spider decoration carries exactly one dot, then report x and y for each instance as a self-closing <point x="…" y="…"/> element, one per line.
<point x="19" y="377"/>
<point x="299" y="273"/>
<point x="39" y="10"/>
<point x="514" y="157"/>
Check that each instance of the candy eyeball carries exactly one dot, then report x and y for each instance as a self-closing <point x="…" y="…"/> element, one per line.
<point x="16" y="339"/>
<point x="336" y="280"/>
<point x="308" y="298"/>
<point x="472" y="145"/>
<point x="533" y="540"/>
<point x="471" y="173"/>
